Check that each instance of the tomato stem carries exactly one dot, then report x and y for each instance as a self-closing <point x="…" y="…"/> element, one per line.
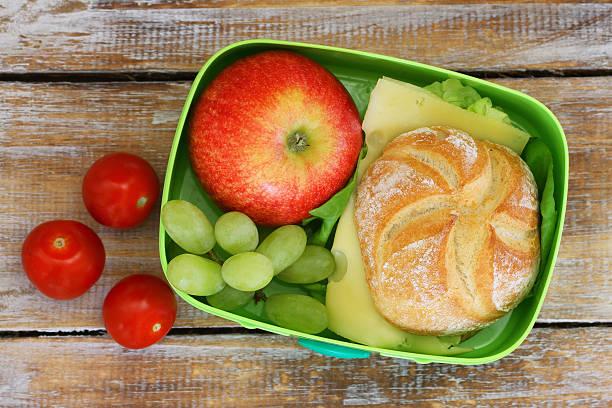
<point x="59" y="242"/>
<point x="141" y="202"/>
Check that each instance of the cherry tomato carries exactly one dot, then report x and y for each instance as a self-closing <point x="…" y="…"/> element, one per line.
<point x="63" y="259"/>
<point x="120" y="190"/>
<point x="139" y="310"/>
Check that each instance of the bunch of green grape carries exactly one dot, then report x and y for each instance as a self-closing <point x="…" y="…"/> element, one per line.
<point x="283" y="254"/>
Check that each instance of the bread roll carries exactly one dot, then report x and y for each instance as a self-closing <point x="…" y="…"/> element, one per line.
<point x="448" y="229"/>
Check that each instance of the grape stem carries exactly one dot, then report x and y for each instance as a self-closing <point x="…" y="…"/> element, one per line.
<point x="260" y="296"/>
<point x="214" y="257"/>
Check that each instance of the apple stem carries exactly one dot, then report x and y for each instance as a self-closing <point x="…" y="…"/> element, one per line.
<point x="297" y="142"/>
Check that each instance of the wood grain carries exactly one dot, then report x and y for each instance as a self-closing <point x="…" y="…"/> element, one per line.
<point x="553" y="368"/>
<point x="51" y="133"/>
<point x="588" y="222"/>
<point x="72" y="35"/>
<point x="130" y="4"/>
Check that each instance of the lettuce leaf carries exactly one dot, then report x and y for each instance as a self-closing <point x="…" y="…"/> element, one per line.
<point x="549" y="216"/>
<point x="466" y="97"/>
<point x="538" y="158"/>
<point x="457" y="94"/>
<point x="484" y="107"/>
<point x="332" y="209"/>
<point x="453" y="91"/>
<point x="435" y="88"/>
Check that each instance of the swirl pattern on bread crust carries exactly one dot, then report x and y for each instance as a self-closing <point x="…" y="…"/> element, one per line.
<point x="448" y="229"/>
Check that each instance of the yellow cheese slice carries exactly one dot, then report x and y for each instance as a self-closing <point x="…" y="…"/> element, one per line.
<point x="352" y="312"/>
<point x="395" y="107"/>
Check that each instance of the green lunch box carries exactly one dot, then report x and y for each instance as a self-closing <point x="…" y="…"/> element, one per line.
<point x="359" y="71"/>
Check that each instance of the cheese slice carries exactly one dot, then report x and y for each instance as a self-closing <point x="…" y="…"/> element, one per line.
<point x="395" y="107"/>
<point x="352" y="312"/>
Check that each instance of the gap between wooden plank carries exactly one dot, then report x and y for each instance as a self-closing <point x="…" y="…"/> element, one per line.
<point x="169" y="76"/>
<point x="203" y="331"/>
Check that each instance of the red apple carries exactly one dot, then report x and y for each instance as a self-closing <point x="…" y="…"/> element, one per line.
<point x="274" y="135"/>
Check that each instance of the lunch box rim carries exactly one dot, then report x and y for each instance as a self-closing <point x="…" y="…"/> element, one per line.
<point x="339" y="348"/>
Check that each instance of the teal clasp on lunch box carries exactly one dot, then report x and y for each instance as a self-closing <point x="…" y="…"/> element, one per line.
<point x="332" y="350"/>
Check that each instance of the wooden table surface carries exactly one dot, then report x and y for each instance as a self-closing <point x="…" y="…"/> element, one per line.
<point x="79" y="79"/>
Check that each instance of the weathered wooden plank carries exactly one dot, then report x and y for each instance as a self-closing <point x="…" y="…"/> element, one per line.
<point x="130" y="4"/>
<point x="586" y="246"/>
<point x="63" y="35"/>
<point x="51" y="133"/>
<point x="567" y="367"/>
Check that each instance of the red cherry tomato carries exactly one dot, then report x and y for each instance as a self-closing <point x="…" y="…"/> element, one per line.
<point x="120" y="190"/>
<point x="139" y="310"/>
<point x="63" y="259"/>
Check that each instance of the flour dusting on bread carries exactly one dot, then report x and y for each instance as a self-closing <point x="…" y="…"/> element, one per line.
<point x="448" y="229"/>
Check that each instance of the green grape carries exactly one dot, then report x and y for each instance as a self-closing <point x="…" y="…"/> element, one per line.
<point x="229" y="298"/>
<point x="247" y="271"/>
<point x="235" y="232"/>
<point x="188" y="226"/>
<point x="283" y="246"/>
<point x="316" y="263"/>
<point x="297" y="312"/>
<point x="195" y="275"/>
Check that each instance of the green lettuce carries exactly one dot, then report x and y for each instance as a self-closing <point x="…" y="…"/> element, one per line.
<point x="466" y="97"/>
<point x="332" y="209"/>
<point x="539" y="159"/>
<point x="453" y="91"/>
<point x="484" y="107"/>
<point x="435" y="88"/>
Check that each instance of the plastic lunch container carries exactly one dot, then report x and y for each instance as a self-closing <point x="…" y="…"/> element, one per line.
<point x="359" y="71"/>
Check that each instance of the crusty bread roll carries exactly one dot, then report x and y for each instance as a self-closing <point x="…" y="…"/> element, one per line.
<point x="448" y="228"/>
